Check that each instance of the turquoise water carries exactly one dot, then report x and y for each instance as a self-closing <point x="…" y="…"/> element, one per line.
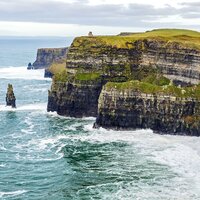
<point x="45" y="156"/>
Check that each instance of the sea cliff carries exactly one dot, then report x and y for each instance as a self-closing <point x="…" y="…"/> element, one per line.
<point x="47" y="56"/>
<point x="162" y="110"/>
<point x="160" y="61"/>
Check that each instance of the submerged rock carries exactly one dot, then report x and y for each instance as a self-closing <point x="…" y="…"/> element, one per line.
<point x="10" y="97"/>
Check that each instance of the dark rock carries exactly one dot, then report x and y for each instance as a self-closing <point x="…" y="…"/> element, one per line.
<point x="74" y="100"/>
<point x="10" y="97"/>
<point x="47" y="73"/>
<point x="30" y="66"/>
<point x="163" y="114"/>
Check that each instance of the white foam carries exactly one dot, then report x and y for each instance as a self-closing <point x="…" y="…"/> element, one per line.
<point x="183" y="157"/>
<point x="22" y="73"/>
<point x="55" y="114"/>
<point x="37" y="107"/>
<point x="12" y="194"/>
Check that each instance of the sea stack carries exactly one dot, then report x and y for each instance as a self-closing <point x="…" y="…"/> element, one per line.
<point x="10" y="97"/>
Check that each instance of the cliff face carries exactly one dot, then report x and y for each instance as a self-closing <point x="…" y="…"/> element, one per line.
<point x="132" y="109"/>
<point x="174" y="60"/>
<point x="92" y="62"/>
<point x="74" y="100"/>
<point x="45" y="57"/>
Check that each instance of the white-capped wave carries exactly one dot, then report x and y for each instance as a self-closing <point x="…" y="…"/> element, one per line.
<point x="2" y="165"/>
<point x="28" y="122"/>
<point x="12" y="194"/>
<point x="22" y="73"/>
<point x="183" y="157"/>
<point x="55" y="114"/>
<point x="37" y="107"/>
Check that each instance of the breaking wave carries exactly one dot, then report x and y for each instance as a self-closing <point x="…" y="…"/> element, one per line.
<point x="22" y="73"/>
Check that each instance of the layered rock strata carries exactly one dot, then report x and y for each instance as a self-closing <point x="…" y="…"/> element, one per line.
<point x="47" y="56"/>
<point x="74" y="99"/>
<point x="131" y="109"/>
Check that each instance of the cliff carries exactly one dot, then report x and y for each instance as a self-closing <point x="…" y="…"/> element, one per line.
<point x="164" y="109"/>
<point x="47" y="57"/>
<point x="159" y="58"/>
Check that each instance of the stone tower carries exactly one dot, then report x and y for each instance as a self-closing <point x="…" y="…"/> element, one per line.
<point x="90" y="34"/>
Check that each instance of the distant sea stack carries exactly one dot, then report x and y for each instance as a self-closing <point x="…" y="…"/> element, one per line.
<point x="143" y="80"/>
<point x="10" y="97"/>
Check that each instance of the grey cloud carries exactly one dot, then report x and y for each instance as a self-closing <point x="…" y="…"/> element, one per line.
<point x="191" y="10"/>
<point x="80" y="12"/>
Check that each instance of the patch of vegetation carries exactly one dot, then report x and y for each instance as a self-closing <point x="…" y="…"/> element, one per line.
<point x="87" y="76"/>
<point x="143" y="72"/>
<point x="192" y="121"/>
<point x="187" y="38"/>
<point x="148" y="88"/>
<point x="156" y="79"/>
<point x="61" y="76"/>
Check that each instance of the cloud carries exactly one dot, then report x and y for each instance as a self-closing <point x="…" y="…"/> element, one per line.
<point x="80" y="12"/>
<point x="191" y="10"/>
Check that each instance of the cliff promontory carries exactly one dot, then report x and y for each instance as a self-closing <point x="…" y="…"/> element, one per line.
<point x="47" y="56"/>
<point x="143" y="80"/>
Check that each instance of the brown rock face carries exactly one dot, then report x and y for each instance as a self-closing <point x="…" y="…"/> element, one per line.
<point x="10" y="97"/>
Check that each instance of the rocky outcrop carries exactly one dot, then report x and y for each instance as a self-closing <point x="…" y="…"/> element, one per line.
<point x="48" y="73"/>
<point x="10" y="97"/>
<point x="132" y="109"/>
<point x="75" y="99"/>
<point x="47" y="56"/>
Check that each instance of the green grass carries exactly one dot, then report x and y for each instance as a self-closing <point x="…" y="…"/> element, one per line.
<point x="61" y="76"/>
<point x="185" y="37"/>
<point x="87" y="76"/>
<point x="156" y="79"/>
<point x="148" y="88"/>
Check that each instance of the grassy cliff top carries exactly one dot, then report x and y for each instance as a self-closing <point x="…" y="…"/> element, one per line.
<point x="148" y="88"/>
<point x="187" y="38"/>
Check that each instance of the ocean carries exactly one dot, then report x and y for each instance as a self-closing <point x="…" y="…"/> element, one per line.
<point x="50" y="157"/>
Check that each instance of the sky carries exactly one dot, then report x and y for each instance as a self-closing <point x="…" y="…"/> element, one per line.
<point x="102" y="17"/>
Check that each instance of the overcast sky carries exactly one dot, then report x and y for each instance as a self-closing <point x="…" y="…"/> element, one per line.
<point x="78" y="17"/>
